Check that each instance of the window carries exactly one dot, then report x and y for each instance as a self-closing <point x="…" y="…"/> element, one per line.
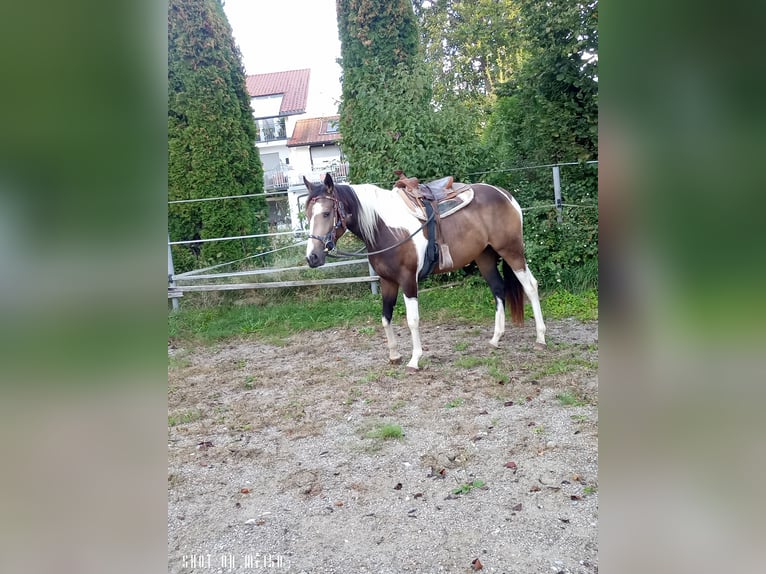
<point x="270" y="129"/>
<point x="332" y="127"/>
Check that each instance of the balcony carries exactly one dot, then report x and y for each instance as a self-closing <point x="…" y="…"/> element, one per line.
<point x="276" y="180"/>
<point x="270" y="129"/>
<point x="281" y="178"/>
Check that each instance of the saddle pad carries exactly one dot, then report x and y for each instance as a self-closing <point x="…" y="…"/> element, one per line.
<point x="446" y="208"/>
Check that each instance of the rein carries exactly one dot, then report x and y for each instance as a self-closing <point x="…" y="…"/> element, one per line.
<point x="341" y="254"/>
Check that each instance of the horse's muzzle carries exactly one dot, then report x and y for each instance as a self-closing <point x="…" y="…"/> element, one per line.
<point x="315" y="259"/>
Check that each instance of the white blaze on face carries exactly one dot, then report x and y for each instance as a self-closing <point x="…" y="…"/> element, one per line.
<point x="312" y="222"/>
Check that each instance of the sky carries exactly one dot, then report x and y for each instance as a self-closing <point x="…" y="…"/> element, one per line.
<point x="280" y="35"/>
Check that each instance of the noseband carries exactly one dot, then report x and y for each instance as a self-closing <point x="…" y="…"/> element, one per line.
<point x="339" y="215"/>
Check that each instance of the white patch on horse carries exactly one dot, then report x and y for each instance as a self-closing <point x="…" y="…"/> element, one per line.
<point x="393" y="353"/>
<point x="529" y="283"/>
<point x="499" y="322"/>
<point x="391" y="209"/>
<point x="312" y="231"/>
<point x="413" y="322"/>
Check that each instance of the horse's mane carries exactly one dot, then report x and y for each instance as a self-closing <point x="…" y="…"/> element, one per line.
<point x="373" y="204"/>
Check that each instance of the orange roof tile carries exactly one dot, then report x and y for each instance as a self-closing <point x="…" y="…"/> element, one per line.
<point x="294" y="84"/>
<point x="313" y="131"/>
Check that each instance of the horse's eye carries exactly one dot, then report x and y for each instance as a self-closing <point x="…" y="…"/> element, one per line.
<point x="326" y="214"/>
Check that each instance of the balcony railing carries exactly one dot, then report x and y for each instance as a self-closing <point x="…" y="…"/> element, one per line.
<point x="280" y="179"/>
<point x="276" y="179"/>
<point x="270" y="129"/>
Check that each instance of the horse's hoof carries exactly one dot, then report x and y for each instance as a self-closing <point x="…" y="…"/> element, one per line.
<point x="396" y="361"/>
<point x="495" y="344"/>
<point x="540" y="346"/>
<point x="412" y="369"/>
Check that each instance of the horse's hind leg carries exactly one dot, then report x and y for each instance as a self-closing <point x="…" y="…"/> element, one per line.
<point x="487" y="263"/>
<point x="529" y="284"/>
<point x="390" y="291"/>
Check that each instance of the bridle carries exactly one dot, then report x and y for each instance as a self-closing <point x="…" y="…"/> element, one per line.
<point x="339" y="222"/>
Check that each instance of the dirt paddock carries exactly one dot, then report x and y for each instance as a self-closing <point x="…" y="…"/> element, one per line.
<point x="313" y="454"/>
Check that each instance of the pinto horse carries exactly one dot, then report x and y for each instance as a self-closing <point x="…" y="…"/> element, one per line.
<point x="487" y="229"/>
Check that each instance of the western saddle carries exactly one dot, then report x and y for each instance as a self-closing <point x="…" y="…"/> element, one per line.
<point x="428" y="196"/>
<point x="438" y="190"/>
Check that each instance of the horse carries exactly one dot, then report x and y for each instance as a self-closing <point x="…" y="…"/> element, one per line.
<point x="484" y="231"/>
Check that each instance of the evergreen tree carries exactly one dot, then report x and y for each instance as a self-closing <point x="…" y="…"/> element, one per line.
<point x="383" y="96"/>
<point x="549" y="111"/>
<point x="388" y="119"/>
<point x="211" y="138"/>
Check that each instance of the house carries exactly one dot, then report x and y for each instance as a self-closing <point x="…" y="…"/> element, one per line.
<point x="290" y="144"/>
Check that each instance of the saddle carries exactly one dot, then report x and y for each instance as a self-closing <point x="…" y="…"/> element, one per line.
<point x="444" y="195"/>
<point x="431" y="202"/>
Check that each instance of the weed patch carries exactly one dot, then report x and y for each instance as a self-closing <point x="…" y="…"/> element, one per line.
<point x="468" y="487"/>
<point x="387" y="431"/>
<point x="184" y="417"/>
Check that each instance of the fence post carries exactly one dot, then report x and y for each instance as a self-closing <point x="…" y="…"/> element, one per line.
<point x="171" y="274"/>
<point x="373" y="284"/>
<point x="557" y="192"/>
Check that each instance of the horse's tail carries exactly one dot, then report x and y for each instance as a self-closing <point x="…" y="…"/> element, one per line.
<point x="514" y="295"/>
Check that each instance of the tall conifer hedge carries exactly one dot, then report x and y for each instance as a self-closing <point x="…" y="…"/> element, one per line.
<point x="211" y="139"/>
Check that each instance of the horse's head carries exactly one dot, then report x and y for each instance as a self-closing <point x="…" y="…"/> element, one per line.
<point x="325" y="214"/>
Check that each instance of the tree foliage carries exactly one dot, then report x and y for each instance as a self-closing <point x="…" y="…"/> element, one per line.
<point x="470" y="45"/>
<point x="548" y="112"/>
<point x="387" y="116"/>
<point x="211" y="138"/>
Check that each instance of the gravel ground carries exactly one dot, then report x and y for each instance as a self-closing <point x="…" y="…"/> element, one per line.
<point x="273" y="462"/>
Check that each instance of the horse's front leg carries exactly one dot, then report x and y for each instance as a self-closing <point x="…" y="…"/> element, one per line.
<point x="390" y="291"/>
<point x="413" y="321"/>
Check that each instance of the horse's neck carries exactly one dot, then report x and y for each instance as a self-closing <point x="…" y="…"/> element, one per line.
<point x="361" y="204"/>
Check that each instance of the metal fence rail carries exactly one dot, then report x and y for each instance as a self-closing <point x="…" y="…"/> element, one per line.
<point x="175" y="291"/>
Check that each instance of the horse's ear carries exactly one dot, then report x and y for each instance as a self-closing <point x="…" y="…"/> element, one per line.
<point x="306" y="183"/>
<point x="328" y="181"/>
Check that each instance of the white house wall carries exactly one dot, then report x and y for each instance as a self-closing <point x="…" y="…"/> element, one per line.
<point x="321" y="156"/>
<point x="300" y="164"/>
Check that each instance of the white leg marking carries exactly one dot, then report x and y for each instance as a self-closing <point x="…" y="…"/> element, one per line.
<point x="393" y="353"/>
<point x="413" y="321"/>
<point x="529" y="283"/>
<point x="499" y="322"/>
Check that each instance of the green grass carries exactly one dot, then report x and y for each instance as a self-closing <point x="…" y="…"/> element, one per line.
<point x="565" y="365"/>
<point x="183" y="418"/>
<point x="178" y="362"/>
<point x="468" y="487"/>
<point x="497" y="374"/>
<point x="461" y="346"/>
<point x="470" y="362"/>
<point x="563" y="304"/>
<point x="454" y="403"/>
<point x="493" y="364"/>
<point x="283" y="315"/>
<point x="387" y="431"/>
<point x="569" y="399"/>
